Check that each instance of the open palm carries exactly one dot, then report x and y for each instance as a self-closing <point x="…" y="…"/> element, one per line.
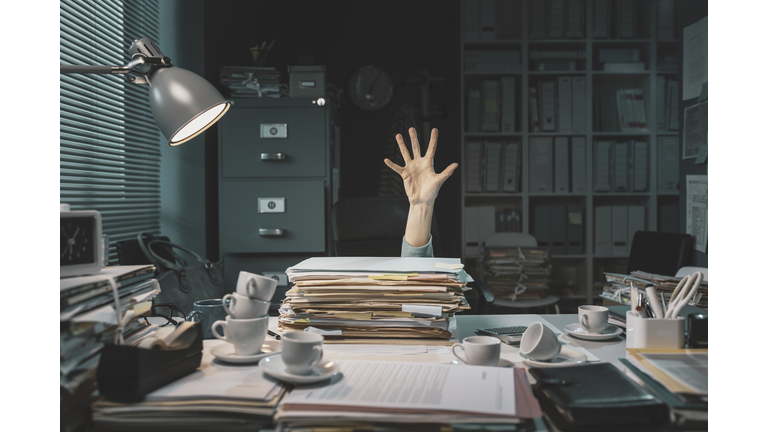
<point x="420" y="181"/>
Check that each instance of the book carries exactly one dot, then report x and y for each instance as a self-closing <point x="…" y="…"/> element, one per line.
<point x="548" y="106"/>
<point x="490" y="106"/>
<point x="533" y="110"/>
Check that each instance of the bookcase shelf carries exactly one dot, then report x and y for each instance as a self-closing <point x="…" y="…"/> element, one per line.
<point x="579" y="275"/>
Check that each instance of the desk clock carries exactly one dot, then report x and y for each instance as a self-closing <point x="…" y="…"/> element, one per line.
<point x="80" y="251"/>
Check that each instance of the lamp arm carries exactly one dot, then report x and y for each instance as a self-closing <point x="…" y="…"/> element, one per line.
<point x="136" y="62"/>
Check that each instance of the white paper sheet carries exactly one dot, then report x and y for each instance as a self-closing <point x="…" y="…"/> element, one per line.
<point x="688" y="369"/>
<point x="696" y="213"/>
<point x="694" y="58"/>
<point x="377" y="264"/>
<point x="694" y="129"/>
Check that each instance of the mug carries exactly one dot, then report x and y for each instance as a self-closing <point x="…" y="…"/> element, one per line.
<point x="206" y="312"/>
<point x="255" y="286"/>
<point x="594" y="319"/>
<point x="301" y="351"/>
<point x="540" y="343"/>
<point x="247" y="335"/>
<point x="240" y="306"/>
<point x="479" y="350"/>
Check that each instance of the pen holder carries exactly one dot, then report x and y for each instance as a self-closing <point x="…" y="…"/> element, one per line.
<point x="655" y="332"/>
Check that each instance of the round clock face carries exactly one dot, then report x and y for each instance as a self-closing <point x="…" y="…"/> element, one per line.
<point x="77" y="241"/>
<point x="371" y="88"/>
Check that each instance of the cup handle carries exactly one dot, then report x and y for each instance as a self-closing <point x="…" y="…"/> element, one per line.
<point x="195" y="314"/>
<point x="232" y="301"/>
<point x="318" y="353"/>
<point x="584" y="322"/>
<point x="217" y="324"/>
<point x="251" y="288"/>
<point x="453" y="350"/>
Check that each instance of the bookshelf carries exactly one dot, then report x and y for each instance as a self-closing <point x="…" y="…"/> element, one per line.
<point x="577" y="277"/>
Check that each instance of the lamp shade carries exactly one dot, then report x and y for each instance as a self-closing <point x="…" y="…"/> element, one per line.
<point x="183" y="103"/>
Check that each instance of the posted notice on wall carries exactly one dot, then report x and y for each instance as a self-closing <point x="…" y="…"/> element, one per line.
<point x="695" y="129"/>
<point x="696" y="210"/>
<point x="694" y="58"/>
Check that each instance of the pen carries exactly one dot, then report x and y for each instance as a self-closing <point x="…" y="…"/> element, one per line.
<point x="273" y="334"/>
<point x="650" y="290"/>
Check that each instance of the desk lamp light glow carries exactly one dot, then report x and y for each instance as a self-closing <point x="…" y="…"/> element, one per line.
<point x="183" y="103"/>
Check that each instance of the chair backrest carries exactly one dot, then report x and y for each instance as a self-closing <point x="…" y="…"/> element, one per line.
<point x="688" y="270"/>
<point x="510" y="239"/>
<point x="659" y="252"/>
<point x="373" y="226"/>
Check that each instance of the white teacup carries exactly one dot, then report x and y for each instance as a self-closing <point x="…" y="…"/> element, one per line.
<point x="479" y="350"/>
<point x="301" y="351"/>
<point x="593" y="319"/>
<point x="242" y="307"/>
<point x="540" y="343"/>
<point x="247" y="335"/>
<point x="256" y="286"/>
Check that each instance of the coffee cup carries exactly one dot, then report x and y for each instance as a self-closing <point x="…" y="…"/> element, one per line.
<point x="479" y="350"/>
<point x="256" y="286"/>
<point x="540" y="343"/>
<point x="301" y="351"/>
<point x="242" y="307"/>
<point x="247" y="335"/>
<point x="206" y="312"/>
<point x="593" y="319"/>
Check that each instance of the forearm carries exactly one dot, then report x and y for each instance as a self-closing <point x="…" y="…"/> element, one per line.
<point x="419" y="225"/>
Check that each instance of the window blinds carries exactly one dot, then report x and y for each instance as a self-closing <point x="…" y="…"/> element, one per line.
<point x="109" y="143"/>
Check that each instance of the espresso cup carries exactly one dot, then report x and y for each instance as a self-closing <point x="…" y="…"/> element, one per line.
<point x="256" y="286"/>
<point x="479" y="350"/>
<point x="301" y="351"/>
<point x="247" y="335"/>
<point x="242" y="307"/>
<point x="206" y="312"/>
<point x="540" y="343"/>
<point x="593" y="319"/>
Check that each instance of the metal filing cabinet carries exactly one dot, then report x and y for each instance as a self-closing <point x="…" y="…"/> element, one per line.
<point x="275" y="174"/>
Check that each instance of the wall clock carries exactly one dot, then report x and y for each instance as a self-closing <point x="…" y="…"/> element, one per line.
<point x="371" y="88"/>
<point x="80" y="235"/>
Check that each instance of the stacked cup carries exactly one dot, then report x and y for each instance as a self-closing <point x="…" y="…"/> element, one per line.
<point x="247" y="309"/>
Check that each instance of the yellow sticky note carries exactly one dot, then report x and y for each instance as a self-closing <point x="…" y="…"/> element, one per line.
<point x="142" y="307"/>
<point x="449" y="266"/>
<point x="398" y="277"/>
<point x="302" y="320"/>
<point x="353" y="316"/>
<point x="575" y="218"/>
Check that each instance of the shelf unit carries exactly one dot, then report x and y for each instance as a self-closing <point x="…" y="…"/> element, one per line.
<point x="577" y="279"/>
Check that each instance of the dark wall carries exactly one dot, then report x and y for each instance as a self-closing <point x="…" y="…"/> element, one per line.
<point x="403" y="37"/>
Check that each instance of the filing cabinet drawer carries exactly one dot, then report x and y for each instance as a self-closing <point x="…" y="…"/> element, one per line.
<point x="272" y="216"/>
<point x="273" y="142"/>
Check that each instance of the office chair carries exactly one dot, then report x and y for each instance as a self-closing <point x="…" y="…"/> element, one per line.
<point x="513" y="240"/>
<point x="659" y="252"/>
<point x="374" y="226"/>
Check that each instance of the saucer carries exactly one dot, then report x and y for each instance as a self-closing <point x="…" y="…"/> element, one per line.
<point x="567" y="357"/>
<point x="274" y="367"/>
<point x="226" y="352"/>
<point x="502" y="363"/>
<point x="578" y="331"/>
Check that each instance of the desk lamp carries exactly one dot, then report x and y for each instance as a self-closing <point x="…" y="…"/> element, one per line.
<point x="183" y="103"/>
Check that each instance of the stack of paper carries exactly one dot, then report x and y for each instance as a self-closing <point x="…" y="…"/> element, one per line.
<point x="253" y="81"/>
<point x="215" y="397"/>
<point x="88" y="321"/>
<point x="517" y="273"/>
<point x="620" y="285"/>
<point x="375" y="297"/>
<point x="411" y="396"/>
<point x="667" y="284"/>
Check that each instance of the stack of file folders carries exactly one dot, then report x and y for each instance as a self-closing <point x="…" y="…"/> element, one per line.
<point x="620" y="285"/>
<point x="375" y="297"/>
<point x="406" y="396"/>
<point x="667" y="284"/>
<point x="248" y="81"/>
<point x="88" y="321"/>
<point x="516" y="273"/>
<point x="216" y="397"/>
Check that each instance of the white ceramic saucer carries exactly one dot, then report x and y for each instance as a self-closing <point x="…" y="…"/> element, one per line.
<point x="567" y="357"/>
<point x="275" y="367"/>
<point x="226" y="352"/>
<point x="578" y="331"/>
<point x="502" y="363"/>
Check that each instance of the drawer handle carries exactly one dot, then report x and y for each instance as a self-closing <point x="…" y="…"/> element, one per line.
<point x="266" y="232"/>
<point x="272" y="156"/>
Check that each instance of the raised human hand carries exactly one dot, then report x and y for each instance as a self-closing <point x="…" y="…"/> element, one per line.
<point x="420" y="181"/>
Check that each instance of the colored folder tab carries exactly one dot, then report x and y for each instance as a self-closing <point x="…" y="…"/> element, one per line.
<point x="399" y="277"/>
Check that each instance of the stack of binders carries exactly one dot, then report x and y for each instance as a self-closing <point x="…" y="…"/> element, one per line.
<point x="517" y="273"/>
<point x="375" y="297"/>
<point x="88" y="321"/>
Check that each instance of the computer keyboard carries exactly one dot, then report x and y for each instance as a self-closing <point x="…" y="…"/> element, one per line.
<point x="506" y="334"/>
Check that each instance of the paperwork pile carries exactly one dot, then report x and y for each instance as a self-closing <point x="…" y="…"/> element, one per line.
<point x="375" y="297"/>
<point x="88" y="321"/>
<point x="215" y="397"/>
<point x="620" y="285"/>
<point x="253" y="81"/>
<point x="383" y="395"/>
<point x="522" y="273"/>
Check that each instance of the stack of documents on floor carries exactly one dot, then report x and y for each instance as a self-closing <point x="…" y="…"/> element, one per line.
<point x="678" y="376"/>
<point x="88" y="321"/>
<point x="216" y="397"/>
<point x="375" y="297"/>
<point x="516" y="274"/>
<point x="412" y="396"/>
<point x="253" y="81"/>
